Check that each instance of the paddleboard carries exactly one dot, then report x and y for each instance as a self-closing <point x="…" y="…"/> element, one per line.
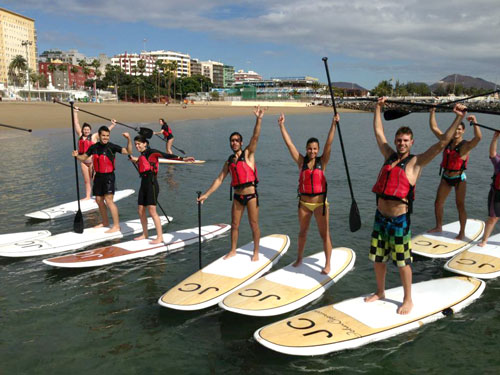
<point x="480" y="262"/>
<point x="211" y="284"/>
<point x="73" y="241"/>
<point x="443" y="244"/>
<point x="7" y="239"/>
<point x="136" y="249"/>
<point x="173" y="161"/>
<point x="71" y="208"/>
<point x="354" y="322"/>
<point x="291" y="287"/>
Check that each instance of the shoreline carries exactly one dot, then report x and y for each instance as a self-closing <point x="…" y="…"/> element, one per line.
<point x="47" y="115"/>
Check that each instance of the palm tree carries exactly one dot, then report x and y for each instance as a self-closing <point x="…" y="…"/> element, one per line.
<point x="74" y="70"/>
<point x="138" y="81"/>
<point x="52" y="68"/>
<point x="17" y="68"/>
<point x="141" y="66"/>
<point x="64" y="69"/>
<point x="173" y="69"/>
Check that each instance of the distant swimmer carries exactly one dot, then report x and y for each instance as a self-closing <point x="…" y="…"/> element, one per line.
<point x="148" y="193"/>
<point x="103" y="158"/>
<point x="453" y="166"/>
<point x="241" y="165"/>
<point x="312" y="188"/>
<point x="85" y="140"/>
<point x="168" y="136"/>
<point x="494" y="194"/>
<point x="395" y="189"/>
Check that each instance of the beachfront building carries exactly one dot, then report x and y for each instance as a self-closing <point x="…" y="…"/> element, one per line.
<point x="213" y="70"/>
<point x="17" y="37"/>
<point x="71" y="56"/>
<point x="195" y="67"/>
<point x="63" y="76"/>
<point x="128" y="62"/>
<point x="181" y="60"/>
<point x="228" y="76"/>
<point x="242" y="76"/>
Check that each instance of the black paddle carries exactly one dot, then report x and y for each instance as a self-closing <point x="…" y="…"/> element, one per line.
<point x="354" y="217"/>
<point x="199" y="228"/>
<point x="158" y="203"/>
<point x="472" y="123"/>
<point x="78" y="222"/>
<point x="178" y="149"/>
<point x="15" y="127"/>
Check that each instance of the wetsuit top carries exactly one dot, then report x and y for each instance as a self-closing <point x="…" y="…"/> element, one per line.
<point x="312" y="181"/>
<point x="452" y="161"/>
<point x="241" y="173"/>
<point x="84" y="144"/>
<point x="165" y="129"/>
<point x="148" y="161"/>
<point x="392" y="182"/>
<point x="103" y="156"/>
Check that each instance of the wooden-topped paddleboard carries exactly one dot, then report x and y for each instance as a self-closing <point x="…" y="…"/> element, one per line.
<point x="443" y="244"/>
<point x="354" y="322"/>
<point x="480" y="262"/>
<point x="173" y="161"/>
<point x="136" y="249"/>
<point x="71" y="208"/>
<point x="11" y="238"/>
<point x="290" y="287"/>
<point x="211" y="284"/>
<point x="73" y="241"/>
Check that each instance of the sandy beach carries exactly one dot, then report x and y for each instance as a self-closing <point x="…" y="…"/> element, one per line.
<point x="38" y="116"/>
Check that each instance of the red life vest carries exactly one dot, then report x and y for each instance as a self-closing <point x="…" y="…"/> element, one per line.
<point x="312" y="182"/>
<point x="84" y="144"/>
<point x="452" y="161"/>
<point x="105" y="162"/>
<point x="148" y="162"/>
<point x="166" y="132"/>
<point x="241" y="173"/>
<point x="392" y="182"/>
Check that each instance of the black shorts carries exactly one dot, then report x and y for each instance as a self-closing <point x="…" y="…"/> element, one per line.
<point x="104" y="183"/>
<point x="169" y="137"/>
<point x="494" y="203"/>
<point x="148" y="193"/>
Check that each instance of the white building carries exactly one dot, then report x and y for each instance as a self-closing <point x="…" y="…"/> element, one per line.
<point x="182" y="60"/>
<point x="128" y="63"/>
<point x="242" y="76"/>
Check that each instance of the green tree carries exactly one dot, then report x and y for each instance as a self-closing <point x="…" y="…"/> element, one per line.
<point x="17" y="70"/>
<point x="384" y="88"/>
<point x="141" y="66"/>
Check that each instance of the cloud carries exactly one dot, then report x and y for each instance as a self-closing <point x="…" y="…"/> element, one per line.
<point x="428" y="34"/>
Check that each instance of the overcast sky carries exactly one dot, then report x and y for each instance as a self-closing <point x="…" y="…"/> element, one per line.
<point x="366" y="40"/>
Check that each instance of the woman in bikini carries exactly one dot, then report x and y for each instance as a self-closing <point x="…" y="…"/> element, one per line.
<point x="312" y="189"/>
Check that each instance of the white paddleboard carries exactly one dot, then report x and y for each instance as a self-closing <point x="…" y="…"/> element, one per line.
<point x="136" y="249"/>
<point x="290" y="287"/>
<point x="211" y="284"/>
<point x="73" y="241"/>
<point x="7" y="239"/>
<point x="443" y="244"/>
<point x="173" y="161"/>
<point x="480" y="262"/>
<point x="354" y="322"/>
<point x="71" y="208"/>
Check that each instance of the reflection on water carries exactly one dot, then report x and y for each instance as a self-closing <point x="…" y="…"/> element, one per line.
<point x="81" y="318"/>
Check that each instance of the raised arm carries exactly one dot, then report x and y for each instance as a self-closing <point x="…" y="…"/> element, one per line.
<point x="128" y="150"/>
<point x="215" y="185"/>
<point x="378" y="128"/>
<point x="252" y="146"/>
<point x="325" y="158"/>
<point x="493" y="145"/>
<point x="474" y="141"/>
<point x="78" y="128"/>
<point x="433" y="123"/>
<point x="296" y="156"/>
<point x="112" y="125"/>
<point x="426" y="157"/>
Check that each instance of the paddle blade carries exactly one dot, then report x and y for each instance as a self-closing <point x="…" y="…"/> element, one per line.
<point x="393" y="114"/>
<point x="78" y="222"/>
<point x="146" y="132"/>
<point x="354" y="218"/>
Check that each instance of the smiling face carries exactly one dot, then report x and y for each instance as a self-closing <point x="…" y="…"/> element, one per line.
<point x="86" y="130"/>
<point x="103" y="137"/>
<point x="140" y="146"/>
<point x="312" y="150"/>
<point x="235" y="143"/>
<point x="459" y="132"/>
<point x="403" y="143"/>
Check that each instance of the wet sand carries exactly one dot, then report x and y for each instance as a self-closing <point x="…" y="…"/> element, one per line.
<point x="39" y="116"/>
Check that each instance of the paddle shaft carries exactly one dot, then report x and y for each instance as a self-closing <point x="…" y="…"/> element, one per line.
<point x="79" y="213"/>
<point x="17" y="128"/>
<point x="199" y="229"/>
<point x="483" y="126"/>
<point x="178" y="149"/>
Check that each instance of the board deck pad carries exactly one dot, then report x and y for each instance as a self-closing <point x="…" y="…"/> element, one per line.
<point x="73" y="241"/>
<point x="173" y="161"/>
<point x="291" y="287"/>
<point x="71" y="208"/>
<point x="354" y="322"/>
<point x="136" y="249"/>
<point x="11" y="238"/>
<point x="480" y="262"/>
<point x="211" y="284"/>
<point x="443" y="244"/>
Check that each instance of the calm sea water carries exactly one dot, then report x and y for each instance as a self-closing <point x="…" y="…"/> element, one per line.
<point x="107" y="320"/>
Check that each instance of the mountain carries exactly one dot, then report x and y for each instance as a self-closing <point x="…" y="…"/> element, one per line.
<point x="465" y="81"/>
<point x="348" y="85"/>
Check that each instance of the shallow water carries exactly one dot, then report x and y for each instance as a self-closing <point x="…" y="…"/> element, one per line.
<point x="107" y="319"/>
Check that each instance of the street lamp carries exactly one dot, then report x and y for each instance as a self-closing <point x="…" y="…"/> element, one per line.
<point x="27" y="43"/>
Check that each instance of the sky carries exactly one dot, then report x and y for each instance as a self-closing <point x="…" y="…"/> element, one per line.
<point x="366" y="41"/>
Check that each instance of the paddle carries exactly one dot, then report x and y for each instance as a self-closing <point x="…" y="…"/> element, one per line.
<point x="472" y="123"/>
<point x="158" y="203"/>
<point x="15" y="127"/>
<point x="178" y="149"/>
<point x="78" y="222"/>
<point x="199" y="228"/>
<point x="354" y="217"/>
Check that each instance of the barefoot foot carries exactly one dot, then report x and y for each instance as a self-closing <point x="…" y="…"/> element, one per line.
<point x="156" y="241"/>
<point x="99" y="226"/>
<point x="482" y="244"/>
<point x="405" y="308"/>
<point x="255" y="257"/>
<point x="374" y="297"/>
<point x="297" y="263"/>
<point x="435" y="230"/>
<point x="113" y="229"/>
<point x="229" y="255"/>
<point x="326" y="270"/>
<point x="141" y="237"/>
<point x="460" y="236"/>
